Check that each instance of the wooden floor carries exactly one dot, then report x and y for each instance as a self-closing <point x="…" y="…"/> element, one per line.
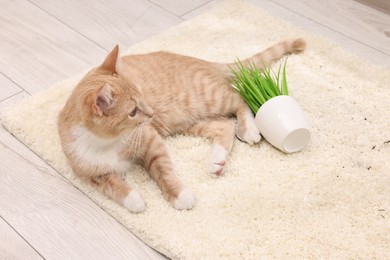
<point x="42" y="42"/>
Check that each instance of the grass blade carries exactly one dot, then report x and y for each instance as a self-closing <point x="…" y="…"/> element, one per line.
<point x="284" y="83"/>
<point x="257" y="86"/>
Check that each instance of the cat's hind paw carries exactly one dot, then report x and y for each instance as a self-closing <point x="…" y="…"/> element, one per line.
<point x="134" y="202"/>
<point x="185" y="200"/>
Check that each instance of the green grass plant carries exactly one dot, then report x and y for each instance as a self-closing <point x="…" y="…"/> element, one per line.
<point x="257" y="86"/>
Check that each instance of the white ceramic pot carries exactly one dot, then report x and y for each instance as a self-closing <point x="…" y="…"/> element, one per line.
<point x="282" y="123"/>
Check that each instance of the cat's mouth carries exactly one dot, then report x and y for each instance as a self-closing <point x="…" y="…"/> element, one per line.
<point x="146" y="121"/>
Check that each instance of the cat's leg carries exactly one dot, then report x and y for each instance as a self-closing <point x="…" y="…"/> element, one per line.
<point x="159" y="165"/>
<point x="114" y="187"/>
<point x="221" y="132"/>
<point x="247" y="130"/>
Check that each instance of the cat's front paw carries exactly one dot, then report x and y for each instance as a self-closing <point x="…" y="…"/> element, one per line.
<point x="217" y="160"/>
<point x="185" y="200"/>
<point x="134" y="202"/>
<point x="251" y="135"/>
<point x="217" y="168"/>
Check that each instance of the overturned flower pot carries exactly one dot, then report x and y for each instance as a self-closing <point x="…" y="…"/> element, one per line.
<point x="282" y="123"/>
<point x="279" y="118"/>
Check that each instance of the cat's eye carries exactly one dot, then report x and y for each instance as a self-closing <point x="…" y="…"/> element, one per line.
<point x="134" y="112"/>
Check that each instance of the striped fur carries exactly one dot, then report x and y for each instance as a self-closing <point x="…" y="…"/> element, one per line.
<point x="120" y="111"/>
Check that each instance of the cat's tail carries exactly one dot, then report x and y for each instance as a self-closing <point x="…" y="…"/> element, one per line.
<point x="266" y="57"/>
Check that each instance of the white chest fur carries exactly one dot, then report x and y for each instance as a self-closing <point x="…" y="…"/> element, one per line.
<point x="98" y="151"/>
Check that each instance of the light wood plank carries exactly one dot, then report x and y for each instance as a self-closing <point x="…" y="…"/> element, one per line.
<point x="202" y="9"/>
<point x="56" y="218"/>
<point x="301" y="19"/>
<point x="180" y="7"/>
<point x="13" y="246"/>
<point x="108" y="23"/>
<point x="37" y="50"/>
<point x="305" y="19"/>
<point x="348" y="17"/>
<point x="380" y="5"/>
<point x="7" y="103"/>
<point x="7" y="88"/>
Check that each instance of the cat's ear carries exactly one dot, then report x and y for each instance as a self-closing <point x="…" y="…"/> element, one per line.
<point x="111" y="62"/>
<point x="104" y="100"/>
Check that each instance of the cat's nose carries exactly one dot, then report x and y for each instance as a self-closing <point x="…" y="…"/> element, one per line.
<point x="149" y="112"/>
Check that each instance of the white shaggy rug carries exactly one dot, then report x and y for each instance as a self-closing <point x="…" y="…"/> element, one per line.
<point x="331" y="201"/>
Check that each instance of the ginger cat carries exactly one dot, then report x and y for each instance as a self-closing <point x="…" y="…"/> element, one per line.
<point x="120" y="112"/>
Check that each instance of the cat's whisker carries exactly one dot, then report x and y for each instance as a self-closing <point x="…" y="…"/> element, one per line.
<point x="133" y="137"/>
<point x="141" y="129"/>
<point x="136" y="140"/>
<point x="136" y="143"/>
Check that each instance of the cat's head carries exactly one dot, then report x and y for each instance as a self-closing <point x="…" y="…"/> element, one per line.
<point x="111" y="103"/>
